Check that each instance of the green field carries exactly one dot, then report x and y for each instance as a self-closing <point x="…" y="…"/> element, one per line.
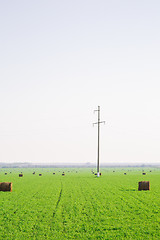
<point x="79" y="205"/>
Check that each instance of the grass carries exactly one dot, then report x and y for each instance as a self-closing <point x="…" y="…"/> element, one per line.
<point x="80" y="205"/>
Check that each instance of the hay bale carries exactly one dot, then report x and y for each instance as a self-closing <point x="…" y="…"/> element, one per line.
<point x="40" y="174"/>
<point x="6" y="186"/>
<point x="143" y="185"/>
<point x="33" y="173"/>
<point x="20" y="175"/>
<point x="125" y="173"/>
<point x="143" y="173"/>
<point x="100" y="174"/>
<point x="95" y="174"/>
<point x="63" y="174"/>
<point x="54" y="173"/>
<point x="5" y="173"/>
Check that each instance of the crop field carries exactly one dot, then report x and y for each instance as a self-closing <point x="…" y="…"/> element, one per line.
<point x="79" y="205"/>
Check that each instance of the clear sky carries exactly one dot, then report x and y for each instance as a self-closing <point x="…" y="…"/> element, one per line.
<point x="59" y="60"/>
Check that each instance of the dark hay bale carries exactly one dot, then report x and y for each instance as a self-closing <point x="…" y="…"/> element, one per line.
<point x="33" y="172"/>
<point x="40" y="174"/>
<point x="143" y="185"/>
<point x="95" y="174"/>
<point x="20" y="175"/>
<point x="100" y="174"/>
<point x="54" y="173"/>
<point x="63" y="174"/>
<point x="125" y="173"/>
<point x="5" y="173"/>
<point x="113" y="171"/>
<point x="6" y="186"/>
<point x="143" y="173"/>
<point x="150" y="171"/>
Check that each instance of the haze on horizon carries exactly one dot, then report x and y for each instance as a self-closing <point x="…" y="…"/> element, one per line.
<point x="59" y="61"/>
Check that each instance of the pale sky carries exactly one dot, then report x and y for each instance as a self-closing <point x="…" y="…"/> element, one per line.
<point x="59" y="60"/>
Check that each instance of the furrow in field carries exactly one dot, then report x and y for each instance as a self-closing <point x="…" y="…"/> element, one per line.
<point x="59" y="199"/>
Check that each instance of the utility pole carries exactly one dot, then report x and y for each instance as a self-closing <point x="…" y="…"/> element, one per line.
<point x="98" y="123"/>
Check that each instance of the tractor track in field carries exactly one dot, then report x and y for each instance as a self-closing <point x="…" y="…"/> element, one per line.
<point x="58" y="201"/>
<point x="139" y="203"/>
<point x="144" y="205"/>
<point x="86" y="200"/>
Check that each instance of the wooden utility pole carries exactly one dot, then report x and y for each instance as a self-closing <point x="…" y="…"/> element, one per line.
<point x="98" y="123"/>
